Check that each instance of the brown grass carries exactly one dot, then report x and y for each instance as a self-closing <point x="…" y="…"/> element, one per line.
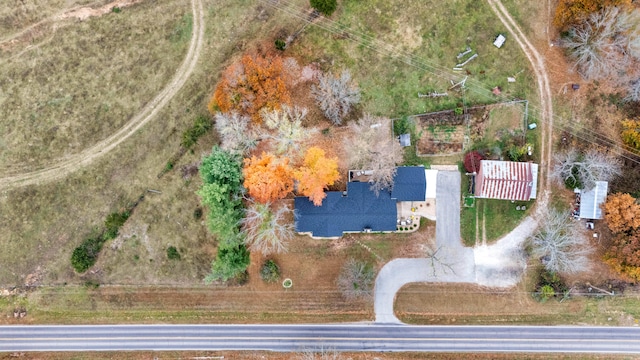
<point x="42" y="224"/>
<point x="16" y="15"/>
<point x="83" y="81"/>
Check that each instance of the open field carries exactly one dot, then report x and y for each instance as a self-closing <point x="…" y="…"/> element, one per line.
<point x="18" y="15"/>
<point x="376" y="37"/>
<point x="42" y="224"/>
<point x="81" y="82"/>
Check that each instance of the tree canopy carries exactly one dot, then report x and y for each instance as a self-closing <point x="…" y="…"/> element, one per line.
<point x="248" y="86"/>
<point x="316" y="173"/>
<point x="267" y="178"/>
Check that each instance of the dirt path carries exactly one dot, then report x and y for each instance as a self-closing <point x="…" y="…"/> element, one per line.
<point x="544" y="90"/>
<point x="67" y="165"/>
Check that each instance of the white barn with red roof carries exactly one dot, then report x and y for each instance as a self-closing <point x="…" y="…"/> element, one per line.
<point x="506" y="180"/>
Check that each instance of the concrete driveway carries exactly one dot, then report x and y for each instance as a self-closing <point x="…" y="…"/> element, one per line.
<point x="448" y="261"/>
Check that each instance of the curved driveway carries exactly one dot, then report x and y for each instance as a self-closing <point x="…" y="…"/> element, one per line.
<point x="449" y="261"/>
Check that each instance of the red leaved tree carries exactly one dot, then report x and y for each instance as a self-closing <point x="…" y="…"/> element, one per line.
<point x="267" y="178"/>
<point x="472" y="161"/>
<point x="316" y="173"/>
<point x="253" y="84"/>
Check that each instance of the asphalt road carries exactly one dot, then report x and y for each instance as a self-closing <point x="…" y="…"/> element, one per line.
<point x="286" y="338"/>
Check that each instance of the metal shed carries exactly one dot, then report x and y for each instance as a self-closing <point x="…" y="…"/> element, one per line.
<point x="591" y="200"/>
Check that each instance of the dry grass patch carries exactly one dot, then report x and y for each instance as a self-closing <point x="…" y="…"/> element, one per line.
<point x="42" y="224"/>
<point x="16" y="15"/>
<point x="86" y="80"/>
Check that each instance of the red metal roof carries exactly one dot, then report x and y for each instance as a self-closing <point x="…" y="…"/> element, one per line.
<point x="506" y="180"/>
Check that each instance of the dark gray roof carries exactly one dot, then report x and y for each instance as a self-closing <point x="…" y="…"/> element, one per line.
<point x="360" y="209"/>
<point x="409" y="184"/>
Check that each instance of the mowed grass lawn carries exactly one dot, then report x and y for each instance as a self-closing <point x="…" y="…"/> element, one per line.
<point x="395" y="49"/>
<point x="74" y="86"/>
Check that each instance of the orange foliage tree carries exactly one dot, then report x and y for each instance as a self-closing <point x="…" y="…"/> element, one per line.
<point x="267" y="178"/>
<point x="622" y="213"/>
<point x="570" y="12"/>
<point x="316" y="173"/>
<point x="253" y="84"/>
<point x="631" y="133"/>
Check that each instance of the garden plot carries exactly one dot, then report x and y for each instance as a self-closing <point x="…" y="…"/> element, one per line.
<point x="454" y="131"/>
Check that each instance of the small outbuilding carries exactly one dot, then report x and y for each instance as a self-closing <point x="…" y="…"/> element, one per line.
<point x="499" y="41"/>
<point x="506" y="180"/>
<point x="592" y="200"/>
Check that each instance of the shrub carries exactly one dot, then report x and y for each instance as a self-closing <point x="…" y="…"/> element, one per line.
<point x="549" y="285"/>
<point x="280" y="44"/>
<point x="172" y="253"/>
<point x="201" y="126"/>
<point x="85" y="255"/>
<point x="116" y="9"/>
<point x="356" y="279"/>
<point x="232" y="260"/>
<point x="197" y="213"/>
<point x="270" y="271"/>
<point x="403" y="126"/>
<point x="325" y="7"/>
<point x="113" y="223"/>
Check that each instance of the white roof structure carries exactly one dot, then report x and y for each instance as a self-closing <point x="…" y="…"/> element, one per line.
<point x="591" y="200"/>
<point x="507" y="180"/>
<point x="432" y="176"/>
<point x="499" y="41"/>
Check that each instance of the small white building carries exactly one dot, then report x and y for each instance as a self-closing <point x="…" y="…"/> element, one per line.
<point x="499" y="41"/>
<point x="591" y="201"/>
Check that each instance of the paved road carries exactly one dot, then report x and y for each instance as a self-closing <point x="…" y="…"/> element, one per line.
<point x="285" y="338"/>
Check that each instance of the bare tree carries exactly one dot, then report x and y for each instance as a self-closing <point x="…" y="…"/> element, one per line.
<point x="336" y="95"/>
<point x="286" y="128"/>
<point x="372" y="146"/>
<point x="633" y="91"/>
<point x="235" y="132"/>
<point x="559" y="244"/>
<point x="356" y="280"/>
<point x="436" y="256"/>
<point x="267" y="231"/>
<point x="603" y="44"/>
<point x="583" y="170"/>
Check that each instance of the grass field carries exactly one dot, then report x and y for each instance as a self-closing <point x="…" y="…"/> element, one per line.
<point x="376" y="37"/>
<point x="42" y="224"/>
<point x="18" y="15"/>
<point x="80" y="83"/>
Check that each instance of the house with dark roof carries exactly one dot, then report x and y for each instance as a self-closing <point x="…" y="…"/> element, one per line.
<point x="506" y="180"/>
<point x="358" y="209"/>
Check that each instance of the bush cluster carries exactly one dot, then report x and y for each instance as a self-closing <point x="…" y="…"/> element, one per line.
<point x="200" y="126"/>
<point x="270" y="271"/>
<point x="86" y="254"/>
<point x="172" y="253"/>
